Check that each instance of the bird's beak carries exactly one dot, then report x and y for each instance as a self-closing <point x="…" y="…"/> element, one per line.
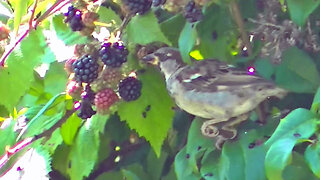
<point x="151" y="59"/>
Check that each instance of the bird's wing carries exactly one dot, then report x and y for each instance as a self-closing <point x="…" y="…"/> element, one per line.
<point x="213" y="75"/>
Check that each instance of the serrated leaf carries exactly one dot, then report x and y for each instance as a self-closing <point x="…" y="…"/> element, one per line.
<point x="8" y="135"/>
<point x="18" y="76"/>
<point x="65" y="33"/>
<point x="312" y="157"/>
<point x="70" y="128"/>
<point x="54" y="141"/>
<point x="158" y="120"/>
<point x="145" y="29"/>
<point x="84" y="153"/>
<point x="114" y="175"/>
<point x="99" y="122"/>
<point x="155" y="169"/>
<point x="300" y="10"/>
<point x="298" y="72"/>
<point x="187" y="40"/>
<point x="56" y="78"/>
<point x="107" y="15"/>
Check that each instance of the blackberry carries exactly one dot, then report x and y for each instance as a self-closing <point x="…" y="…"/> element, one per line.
<point x="137" y="6"/>
<point x="192" y="12"/>
<point x="130" y="89"/>
<point x="85" y="69"/>
<point x="85" y="110"/>
<point x="156" y="3"/>
<point x="74" y="19"/>
<point x="113" y="55"/>
<point x="88" y="94"/>
<point x="104" y="99"/>
<point x="74" y="89"/>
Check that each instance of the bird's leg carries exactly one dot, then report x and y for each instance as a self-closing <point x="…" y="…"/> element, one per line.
<point x="260" y="110"/>
<point x="209" y="127"/>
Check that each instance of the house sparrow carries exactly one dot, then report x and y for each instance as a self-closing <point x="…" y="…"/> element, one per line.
<point x="212" y="90"/>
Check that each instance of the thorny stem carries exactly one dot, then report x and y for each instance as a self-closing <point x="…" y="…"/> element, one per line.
<point x="41" y="18"/>
<point x="32" y="14"/>
<point x="235" y="11"/>
<point x="22" y="144"/>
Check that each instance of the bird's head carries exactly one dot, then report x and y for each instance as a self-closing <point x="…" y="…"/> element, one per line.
<point x="168" y="59"/>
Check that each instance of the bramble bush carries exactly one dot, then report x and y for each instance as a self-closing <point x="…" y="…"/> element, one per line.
<point x="77" y="103"/>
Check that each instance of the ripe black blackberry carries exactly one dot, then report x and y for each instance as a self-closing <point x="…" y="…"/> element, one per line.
<point x="137" y="6"/>
<point x="113" y="55"/>
<point x="157" y="3"/>
<point x="85" y="110"/>
<point x="192" y="12"/>
<point x="74" y="18"/>
<point x="130" y="89"/>
<point x="85" y="69"/>
<point x="88" y="94"/>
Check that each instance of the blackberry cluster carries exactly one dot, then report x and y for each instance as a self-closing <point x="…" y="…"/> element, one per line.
<point x="85" y="69"/>
<point x="157" y="3"/>
<point x="192" y="12"/>
<point x="113" y="55"/>
<point x="74" y="19"/>
<point x="130" y="89"/>
<point x="137" y="6"/>
<point x="86" y="110"/>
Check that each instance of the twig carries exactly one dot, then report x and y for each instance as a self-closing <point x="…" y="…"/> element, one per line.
<point x="265" y="24"/>
<point x="235" y="11"/>
<point x="32" y="14"/>
<point x="22" y="144"/>
<point x="125" y="22"/>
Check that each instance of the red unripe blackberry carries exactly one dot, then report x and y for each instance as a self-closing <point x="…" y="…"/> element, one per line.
<point x="113" y="55"/>
<point x="74" y="89"/>
<point x="4" y="32"/>
<point x="85" y="69"/>
<point x="104" y="99"/>
<point x="137" y="6"/>
<point x="130" y="89"/>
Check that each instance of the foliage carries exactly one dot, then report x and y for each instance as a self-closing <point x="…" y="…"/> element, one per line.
<point x="150" y="138"/>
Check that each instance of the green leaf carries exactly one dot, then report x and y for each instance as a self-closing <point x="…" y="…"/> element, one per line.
<point x="145" y="29"/>
<point x="298" y="72"/>
<point x="316" y="102"/>
<point x="299" y="125"/>
<point x="300" y="10"/>
<point x="264" y="68"/>
<point x="182" y="167"/>
<point x="186" y="42"/>
<point x="8" y="135"/>
<point x="114" y="175"/>
<point x="278" y="157"/>
<point x="107" y="15"/>
<point x="129" y="175"/>
<point x="155" y="169"/>
<point x="18" y="76"/>
<point x="70" y="128"/>
<point x="217" y="33"/>
<point x="56" y="78"/>
<point x="172" y="27"/>
<point x="54" y="141"/>
<point x="312" y="157"/>
<point x="21" y="8"/>
<point x="84" y="152"/>
<point x="158" y="119"/>
<point x="65" y="33"/>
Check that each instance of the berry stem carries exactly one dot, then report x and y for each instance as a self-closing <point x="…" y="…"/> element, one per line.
<point x="32" y="14"/>
<point x="235" y="11"/>
<point x="22" y="144"/>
